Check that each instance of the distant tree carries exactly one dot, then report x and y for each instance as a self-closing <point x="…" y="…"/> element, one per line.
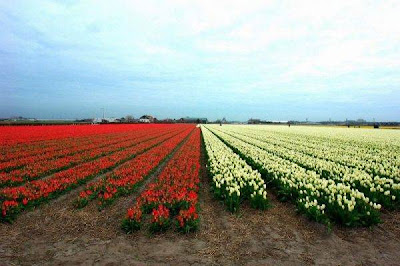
<point x="129" y="118"/>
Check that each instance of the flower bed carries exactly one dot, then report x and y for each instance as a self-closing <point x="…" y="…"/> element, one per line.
<point x="173" y="198"/>
<point x="15" y="199"/>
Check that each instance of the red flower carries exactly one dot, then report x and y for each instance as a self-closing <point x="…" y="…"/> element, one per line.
<point x="187" y="215"/>
<point x="134" y="214"/>
<point x="160" y="214"/>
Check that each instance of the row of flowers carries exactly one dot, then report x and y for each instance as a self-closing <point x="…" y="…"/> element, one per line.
<point x="173" y="198"/>
<point x="62" y="148"/>
<point x="233" y="179"/>
<point x="15" y="199"/>
<point x="19" y="137"/>
<point x="54" y="163"/>
<point x="321" y="199"/>
<point x="376" y="160"/>
<point x="126" y="178"/>
<point x="385" y="191"/>
<point x="371" y="141"/>
<point x="24" y="141"/>
<point x="24" y="154"/>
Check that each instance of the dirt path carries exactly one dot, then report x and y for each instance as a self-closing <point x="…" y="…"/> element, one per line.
<point x="57" y="234"/>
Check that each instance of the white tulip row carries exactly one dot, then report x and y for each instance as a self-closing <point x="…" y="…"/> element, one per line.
<point x="320" y="198"/>
<point x="378" y="139"/>
<point x="385" y="190"/>
<point x="377" y="146"/>
<point x="233" y="179"/>
<point x="383" y="161"/>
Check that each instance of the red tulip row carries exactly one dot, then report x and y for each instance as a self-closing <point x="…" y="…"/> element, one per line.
<point x="173" y="195"/>
<point x="43" y="167"/>
<point x="11" y="136"/>
<point x="20" y="153"/>
<point x="126" y="178"/>
<point x="15" y="199"/>
<point x="24" y="153"/>
<point x="65" y="147"/>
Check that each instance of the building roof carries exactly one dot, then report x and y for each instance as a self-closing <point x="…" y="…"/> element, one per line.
<point x="146" y="117"/>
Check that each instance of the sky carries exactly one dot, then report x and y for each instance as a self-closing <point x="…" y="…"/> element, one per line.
<point x="274" y="60"/>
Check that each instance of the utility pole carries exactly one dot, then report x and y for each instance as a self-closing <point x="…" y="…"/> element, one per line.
<point x="103" y="112"/>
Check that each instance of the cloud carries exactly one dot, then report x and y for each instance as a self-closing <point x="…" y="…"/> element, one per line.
<point x="244" y="53"/>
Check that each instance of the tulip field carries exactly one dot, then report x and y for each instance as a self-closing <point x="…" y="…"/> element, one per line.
<point x="173" y="194"/>
<point x="233" y="179"/>
<point x="207" y="194"/>
<point x="40" y="169"/>
<point x="340" y="176"/>
<point x="343" y="176"/>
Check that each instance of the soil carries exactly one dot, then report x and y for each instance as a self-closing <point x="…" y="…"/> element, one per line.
<point x="58" y="234"/>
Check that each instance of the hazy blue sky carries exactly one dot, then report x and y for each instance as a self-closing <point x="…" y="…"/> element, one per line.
<point x="239" y="59"/>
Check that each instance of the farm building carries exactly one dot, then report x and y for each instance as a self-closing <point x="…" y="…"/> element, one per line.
<point x="106" y="120"/>
<point x="146" y="119"/>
